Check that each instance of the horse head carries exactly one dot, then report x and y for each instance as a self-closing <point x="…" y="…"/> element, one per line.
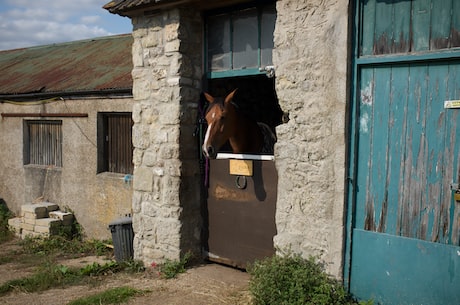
<point x="220" y="117"/>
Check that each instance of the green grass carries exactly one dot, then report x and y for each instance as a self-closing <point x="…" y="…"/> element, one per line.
<point x="46" y="277"/>
<point x="117" y="295"/>
<point x="50" y="275"/>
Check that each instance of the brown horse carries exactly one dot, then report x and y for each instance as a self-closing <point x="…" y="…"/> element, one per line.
<point x="225" y="123"/>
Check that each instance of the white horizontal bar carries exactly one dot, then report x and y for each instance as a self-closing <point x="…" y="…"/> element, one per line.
<point x="245" y="157"/>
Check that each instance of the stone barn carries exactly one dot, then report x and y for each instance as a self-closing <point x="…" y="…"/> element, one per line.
<point x="363" y="96"/>
<point x="65" y="129"/>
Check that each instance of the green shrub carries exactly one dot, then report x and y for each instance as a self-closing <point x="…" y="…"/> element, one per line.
<point x="293" y="280"/>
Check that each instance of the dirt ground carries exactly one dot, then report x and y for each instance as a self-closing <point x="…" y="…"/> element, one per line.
<point x="207" y="284"/>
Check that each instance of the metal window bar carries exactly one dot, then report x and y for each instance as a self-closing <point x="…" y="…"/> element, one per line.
<point x="45" y="143"/>
<point x="119" y="143"/>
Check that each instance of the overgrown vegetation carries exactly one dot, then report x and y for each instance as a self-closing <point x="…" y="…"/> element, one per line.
<point x="293" y="280"/>
<point x="46" y="277"/>
<point x="112" y="296"/>
<point x="46" y="252"/>
<point x="63" y="245"/>
<point x="51" y="275"/>
<point x="5" y="214"/>
<point x="171" y="268"/>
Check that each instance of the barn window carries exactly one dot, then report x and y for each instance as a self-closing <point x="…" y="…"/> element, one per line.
<point x="240" y="42"/>
<point x="115" y="148"/>
<point x="238" y="49"/>
<point x="43" y="143"/>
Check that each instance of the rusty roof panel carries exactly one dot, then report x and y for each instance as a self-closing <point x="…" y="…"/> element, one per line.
<point x="88" y="65"/>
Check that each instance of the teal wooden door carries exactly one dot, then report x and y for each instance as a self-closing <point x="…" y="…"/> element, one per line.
<point x="403" y="244"/>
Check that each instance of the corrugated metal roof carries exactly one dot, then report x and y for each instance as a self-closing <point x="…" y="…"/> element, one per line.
<point x="81" y="66"/>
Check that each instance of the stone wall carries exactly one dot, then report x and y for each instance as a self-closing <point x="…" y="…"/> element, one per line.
<point x="167" y="81"/>
<point x="310" y="56"/>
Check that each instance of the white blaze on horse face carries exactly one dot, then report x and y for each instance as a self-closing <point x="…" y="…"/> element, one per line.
<point x="205" y="142"/>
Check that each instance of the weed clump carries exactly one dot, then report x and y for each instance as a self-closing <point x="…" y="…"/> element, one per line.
<point x="116" y="295"/>
<point x="5" y="214"/>
<point x="171" y="268"/>
<point x="293" y="280"/>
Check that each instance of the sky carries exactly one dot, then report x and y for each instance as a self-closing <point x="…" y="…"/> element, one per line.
<point x="25" y="23"/>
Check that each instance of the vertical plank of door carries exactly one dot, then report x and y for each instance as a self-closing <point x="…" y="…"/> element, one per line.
<point x="440" y="24"/>
<point x="421" y="15"/>
<point x="365" y="105"/>
<point x="383" y="27"/>
<point x="367" y="34"/>
<point x="401" y="27"/>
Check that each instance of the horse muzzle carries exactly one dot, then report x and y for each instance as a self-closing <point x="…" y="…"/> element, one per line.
<point x="209" y="151"/>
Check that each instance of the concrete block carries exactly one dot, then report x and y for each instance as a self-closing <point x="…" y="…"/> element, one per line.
<point x="47" y="226"/>
<point x="39" y="210"/>
<point x="65" y="217"/>
<point x="48" y="222"/>
<point x="49" y="206"/>
<point x="30" y="221"/>
<point x="15" y="225"/>
<point x="42" y="229"/>
<point x="28" y="215"/>
<point x="27" y="227"/>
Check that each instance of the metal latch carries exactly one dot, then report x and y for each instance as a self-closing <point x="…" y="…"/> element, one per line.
<point x="269" y="71"/>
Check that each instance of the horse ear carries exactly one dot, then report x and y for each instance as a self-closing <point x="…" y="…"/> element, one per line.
<point x="209" y="97"/>
<point x="230" y="96"/>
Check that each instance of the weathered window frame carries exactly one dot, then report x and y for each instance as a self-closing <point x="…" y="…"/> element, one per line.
<point x="265" y="23"/>
<point x="115" y="146"/>
<point x="43" y="142"/>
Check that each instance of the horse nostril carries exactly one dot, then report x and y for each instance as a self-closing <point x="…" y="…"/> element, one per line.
<point x="211" y="152"/>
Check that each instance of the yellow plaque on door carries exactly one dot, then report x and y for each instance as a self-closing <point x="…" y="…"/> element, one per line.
<point x="241" y="167"/>
<point x="457" y="196"/>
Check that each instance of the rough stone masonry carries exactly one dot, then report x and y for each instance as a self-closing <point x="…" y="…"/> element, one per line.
<point x="310" y="58"/>
<point x="166" y="88"/>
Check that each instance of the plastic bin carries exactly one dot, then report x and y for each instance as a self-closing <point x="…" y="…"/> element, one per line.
<point x="122" y="237"/>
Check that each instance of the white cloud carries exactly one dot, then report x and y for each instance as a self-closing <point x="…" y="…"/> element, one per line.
<point x="90" y="19"/>
<point x="25" y="23"/>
